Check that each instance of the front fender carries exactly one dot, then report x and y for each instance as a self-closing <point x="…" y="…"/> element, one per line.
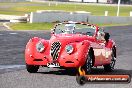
<point x="30" y="47"/>
<point x="83" y="49"/>
<point x="78" y="57"/>
<point x="31" y="52"/>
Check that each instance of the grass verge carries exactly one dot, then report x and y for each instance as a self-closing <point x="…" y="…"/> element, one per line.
<point x="21" y="8"/>
<point x="46" y="26"/>
<point x="31" y="26"/>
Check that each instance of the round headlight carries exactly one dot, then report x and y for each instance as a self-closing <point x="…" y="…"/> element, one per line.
<point x="40" y="47"/>
<point x="69" y="49"/>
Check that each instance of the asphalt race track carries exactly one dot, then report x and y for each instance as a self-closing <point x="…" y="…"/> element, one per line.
<point x="14" y="75"/>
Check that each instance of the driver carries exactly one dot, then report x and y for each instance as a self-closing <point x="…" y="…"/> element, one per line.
<point x="69" y="28"/>
<point x="101" y="35"/>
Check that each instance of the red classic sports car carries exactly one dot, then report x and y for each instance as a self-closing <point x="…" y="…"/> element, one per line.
<point x="72" y="44"/>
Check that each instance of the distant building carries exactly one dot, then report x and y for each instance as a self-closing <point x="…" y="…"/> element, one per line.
<point x="12" y="0"/>
<point x="88" y="1"/>
<point x="100" y="1"/>
<point x="123" y="1"/>
<point x="93" y="1"/>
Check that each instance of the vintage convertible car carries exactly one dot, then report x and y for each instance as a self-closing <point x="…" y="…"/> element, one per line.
<point x="72" y="44"/>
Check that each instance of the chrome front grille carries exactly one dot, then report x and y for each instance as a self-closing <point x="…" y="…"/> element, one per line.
<point x="55" y="48"/>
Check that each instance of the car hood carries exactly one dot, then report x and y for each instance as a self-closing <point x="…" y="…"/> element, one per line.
<point x="69" y="38"/>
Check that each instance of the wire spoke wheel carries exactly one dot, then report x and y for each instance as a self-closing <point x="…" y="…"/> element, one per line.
<point x="113" y="60"/>
<point x="88" y="64"/>
<point x="110" y="67"/>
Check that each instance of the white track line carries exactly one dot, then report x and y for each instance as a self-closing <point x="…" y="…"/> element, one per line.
<point x="11" y="66"/>
<point x="13" y="33"/>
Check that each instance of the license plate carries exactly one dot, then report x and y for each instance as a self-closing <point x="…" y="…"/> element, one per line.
<point x="52" y="65"/>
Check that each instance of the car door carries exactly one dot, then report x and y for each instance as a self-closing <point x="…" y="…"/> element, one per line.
<point x="99" y="48"/>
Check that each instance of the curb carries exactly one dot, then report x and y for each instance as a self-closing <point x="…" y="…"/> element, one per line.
<point x="5" y="25"/>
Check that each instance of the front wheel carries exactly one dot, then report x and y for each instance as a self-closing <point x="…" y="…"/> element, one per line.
<point x="81" y="80"/>
<point x="88" y="64"/>
<point x="110" y="67"/>
<point x="32" y="68"/>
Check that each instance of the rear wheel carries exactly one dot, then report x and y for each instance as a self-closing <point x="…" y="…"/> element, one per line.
<point x="110" y="67"/>
<point x="32" y="68"/>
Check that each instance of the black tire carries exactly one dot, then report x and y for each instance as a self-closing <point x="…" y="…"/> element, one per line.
<point x="71" y="71"/>
<point x="89" y="63"/>
<point x="110" y="67"/>
<point x="81" y="80"/>
<point x="32" y="68"/>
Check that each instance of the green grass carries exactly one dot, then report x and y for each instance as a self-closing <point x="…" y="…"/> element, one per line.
<point x="45" y="26"/>
<point x="27" y="7"/>
<point x="108" y="25"/>
<point x="21" y="8"/>
<point x="1" y="23"/>
<point x="31" y="26"/>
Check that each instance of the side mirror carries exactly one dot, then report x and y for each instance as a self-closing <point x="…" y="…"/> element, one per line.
<point x="52" y="31"/>
<point x="107" y="36"/>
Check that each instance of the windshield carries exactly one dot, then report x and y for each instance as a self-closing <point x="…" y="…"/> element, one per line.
<point x="75" y="28"/>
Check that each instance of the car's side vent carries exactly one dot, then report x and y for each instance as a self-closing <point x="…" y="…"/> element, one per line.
<point x="55" y="48"/>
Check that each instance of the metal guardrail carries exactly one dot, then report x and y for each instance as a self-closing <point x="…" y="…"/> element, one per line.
<point x="14" y="18"/>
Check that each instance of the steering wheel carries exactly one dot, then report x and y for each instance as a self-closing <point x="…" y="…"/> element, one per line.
<point x="61" y="31"/>
<point x="89" y="33"/>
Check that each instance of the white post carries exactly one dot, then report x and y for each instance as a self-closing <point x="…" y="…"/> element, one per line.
<point x="31" y="17"/>
<point x="56" y="4"/>
<point x="130" y="13"/>
<point x="49" y="4"/>
<point x="118" y="9"/>
<point x="71" y="13"/>
<point x="106" y="13"/>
